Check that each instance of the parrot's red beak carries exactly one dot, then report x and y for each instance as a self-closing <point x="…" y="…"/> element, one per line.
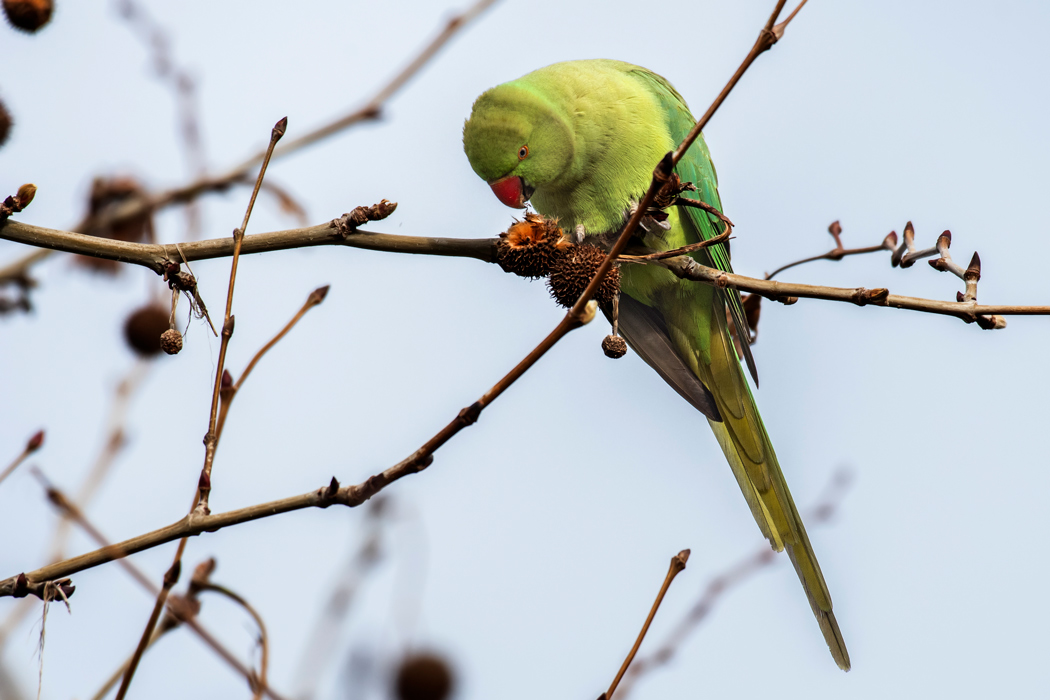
<point x="512" y="191"/>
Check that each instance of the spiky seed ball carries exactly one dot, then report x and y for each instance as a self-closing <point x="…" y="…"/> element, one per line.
<point x="171" y="341"/>
<point x="144" y="327"/>
<point x="572" y="272"/>
<point x="614" y="346"/>
<point x="5" y="123"/>
<point x="530" y="247"/>
<point x="108" y="194"/>
<point x="28" y="15"/>
<point x="423" y="677"/>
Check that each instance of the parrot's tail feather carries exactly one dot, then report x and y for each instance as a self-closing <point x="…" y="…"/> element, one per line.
<point x="829" y="626"/>
<point x="751" y="495"/>
<point x="749" y="451"/>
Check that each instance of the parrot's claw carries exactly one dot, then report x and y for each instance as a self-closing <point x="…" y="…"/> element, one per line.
<point x="655" y="222"/>
<point x="579" y="234"/>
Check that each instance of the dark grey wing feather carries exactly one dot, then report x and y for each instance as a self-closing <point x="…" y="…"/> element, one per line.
<point x="646" y="332"/>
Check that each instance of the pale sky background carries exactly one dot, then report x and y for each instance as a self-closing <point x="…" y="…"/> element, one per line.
<point x="530" y="551"/>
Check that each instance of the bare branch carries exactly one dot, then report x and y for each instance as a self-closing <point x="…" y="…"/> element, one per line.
<point x="677" y="566"/>
<point x="156" y="257"/>
<point x="170" y="579"/>
<point x="228" y="389"/>
<point x="839" y="251"/>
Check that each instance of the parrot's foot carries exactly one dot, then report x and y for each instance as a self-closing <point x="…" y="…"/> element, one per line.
<point x="348" y="223"/>
<point x="653" y="222"/>
<point x="579" y="234"/>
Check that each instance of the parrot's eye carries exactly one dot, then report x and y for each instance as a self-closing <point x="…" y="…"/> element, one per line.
<point x="523" y="152"/>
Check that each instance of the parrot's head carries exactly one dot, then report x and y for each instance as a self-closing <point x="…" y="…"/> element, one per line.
<point x="516" y="140"/>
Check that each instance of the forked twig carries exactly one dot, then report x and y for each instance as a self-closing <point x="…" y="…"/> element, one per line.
<point x="204" y="482"/>
<point x="70" y="510"/>
<point x="228" y="389"/>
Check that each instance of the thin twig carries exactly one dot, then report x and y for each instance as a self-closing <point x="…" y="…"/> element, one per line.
<point x="118" y="553"/>
<point x="788" y="293"/>
<point x="258" y="682"/>
<point x="204" y="482"/>
<point x="32" y="445"/>
<point x="211" y="438"/>
<point x="228" y="389"/>
<point x="684" y="250"/>
<point x="677" y="565"/>
<point x="322" y="640"/>
<point x="840" y="251"/>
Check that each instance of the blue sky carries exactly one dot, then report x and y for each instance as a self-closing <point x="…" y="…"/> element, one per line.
<point x="532" y="548"/>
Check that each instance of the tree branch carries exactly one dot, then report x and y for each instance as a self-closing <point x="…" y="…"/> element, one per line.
<point x="157" y="256"/>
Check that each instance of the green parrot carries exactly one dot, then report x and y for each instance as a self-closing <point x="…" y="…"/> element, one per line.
<point x="580" y="140"/>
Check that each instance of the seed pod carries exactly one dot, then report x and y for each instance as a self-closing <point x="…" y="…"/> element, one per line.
<point x="28" y="15"/>
<point x="529" y="248"/>
<point x="614" y="346"/>
<point x="144" y="327"/>
<point x="423" y="677"/>
<point x="574" y="270"/>
<point x="171" y="341"/>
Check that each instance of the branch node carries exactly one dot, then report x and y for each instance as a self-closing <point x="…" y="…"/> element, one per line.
<point x="347" y="224"/>
<point x="470" y="414"/>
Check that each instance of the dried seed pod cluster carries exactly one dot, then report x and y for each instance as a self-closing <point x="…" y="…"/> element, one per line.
<point x="107" y="194"/>
<point x="573" y="271"/>
<point x="144" y="328"/>
<point x="423" y="677"/>
<point x="530" y="248"/>
<point x="28" y="15"/>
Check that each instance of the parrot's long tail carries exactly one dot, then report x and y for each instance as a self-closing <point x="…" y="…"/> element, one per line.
<point x="749" y="452"/>
<point x="709" y="376"/>
<point x="774" y="510"/>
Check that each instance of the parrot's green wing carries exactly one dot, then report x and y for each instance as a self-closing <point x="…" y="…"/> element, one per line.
<point x="696" y="167"/>
<point x="696" y="325"/>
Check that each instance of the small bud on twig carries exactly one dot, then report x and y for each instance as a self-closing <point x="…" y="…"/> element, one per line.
<point x="279" y="128"/>
<point x="35" y="442"/>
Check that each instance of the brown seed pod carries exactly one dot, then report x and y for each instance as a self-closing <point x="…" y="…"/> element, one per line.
<point x="614" y="346"/>
<point x="171" y="341"/>
<point x="572" y="272"/>
<point x="106" y="195"/>
<point x="28" y="15"/>
<point x="5" y="123"/>
<point x="423" y="677"/>
<point x="530" y="247"/>
<point x="144" y="327"/>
